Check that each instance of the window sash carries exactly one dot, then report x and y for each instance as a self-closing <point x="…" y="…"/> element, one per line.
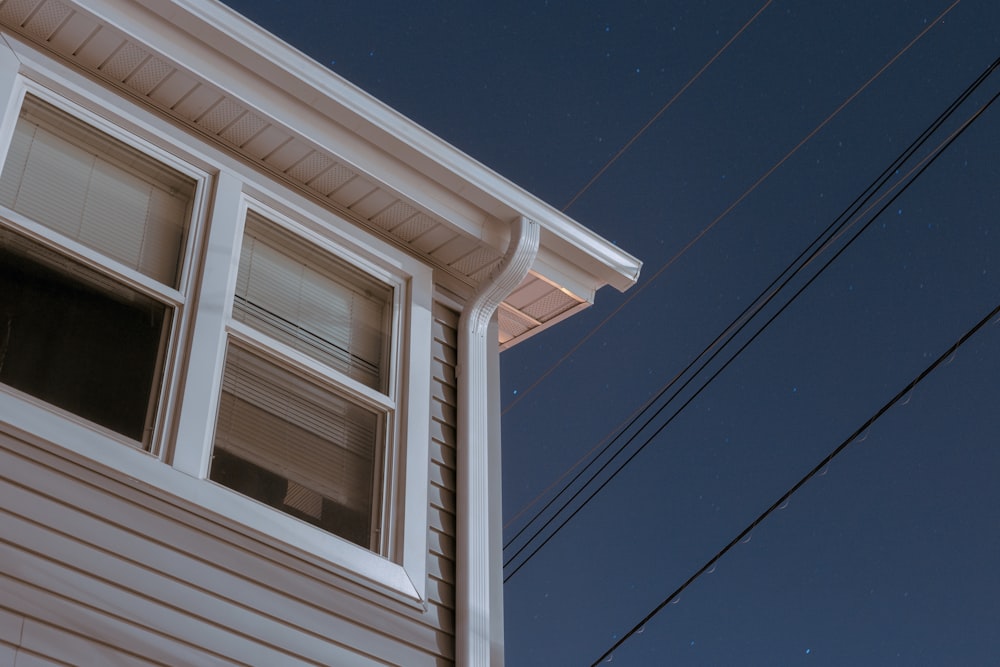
<point x="79" y="340"/>
<point x="322" y="443"/>
<point x="94" y="189"/>
<point x="324" y="309"/>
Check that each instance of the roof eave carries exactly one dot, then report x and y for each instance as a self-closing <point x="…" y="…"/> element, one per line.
<point x="320" y="90"/>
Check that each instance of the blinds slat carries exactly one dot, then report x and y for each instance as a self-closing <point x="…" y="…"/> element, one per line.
<point x="17" y="159"/>
<point x="333" y="316"/>
<point x="54" y="187"/>
<point x="95" y="190"/>
<point x="164" y="234"/>
<point x="114" y="213"/>
<point x="267" y="418"/>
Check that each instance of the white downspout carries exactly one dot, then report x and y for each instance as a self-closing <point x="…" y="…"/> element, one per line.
<point x="479" y="585"/>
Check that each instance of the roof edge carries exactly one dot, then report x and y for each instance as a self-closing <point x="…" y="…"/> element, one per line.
<point x="229" y="33"/>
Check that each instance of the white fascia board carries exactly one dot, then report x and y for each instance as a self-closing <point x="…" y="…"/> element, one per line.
<point x="590" y="253"/>
<point x="397" y="151"/>
<point x="227" y="51"/>
<point x="557" y="271"/>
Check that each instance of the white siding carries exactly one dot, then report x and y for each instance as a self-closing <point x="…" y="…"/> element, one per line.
<point x="441" y="516"/>
<point x="95" y="570"/>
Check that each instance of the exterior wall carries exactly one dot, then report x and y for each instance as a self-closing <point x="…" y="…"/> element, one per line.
<point x="119" y="558"/>
<point x="116" y="550"/>
<point x="441" y="516"/>
<point x="95" y="569"/>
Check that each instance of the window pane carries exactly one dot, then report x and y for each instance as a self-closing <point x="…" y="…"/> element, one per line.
<point x="77" y="339"/>
<point x="316" y="305"/>
<point x="96" y="190"/>
<point x="298" y="447"/>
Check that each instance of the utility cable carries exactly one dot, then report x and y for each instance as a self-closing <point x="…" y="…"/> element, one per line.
<point x="830" y="234"/>
<point x="670" y="102"/>
<point x="635" y="292"/>
<point x="590" y="497"/>
<point x="917" y="170"/>
<point x="755" y="306"/>
<point x="819" y="467"/>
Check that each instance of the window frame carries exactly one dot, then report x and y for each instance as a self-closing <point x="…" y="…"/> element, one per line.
<point x="398" y="569"/>
<point x="175" y="298"/>
<point x="286" y="235"/>
<point x="174" y="467"/>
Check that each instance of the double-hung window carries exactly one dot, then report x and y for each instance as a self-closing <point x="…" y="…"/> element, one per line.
<point x="306" y="401"/>
<point x="91" y="255"/>
<point x="271" y="349"/>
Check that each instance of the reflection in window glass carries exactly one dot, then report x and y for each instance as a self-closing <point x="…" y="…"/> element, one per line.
<point x="298" y="447"/>
<point x="79" y="340"/>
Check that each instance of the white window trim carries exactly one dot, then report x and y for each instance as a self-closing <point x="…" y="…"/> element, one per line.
<point x="177" y="464"/>
<point x="152" y="149"/>
<point x="175" y="298"/>
<point x="402" y="563"/>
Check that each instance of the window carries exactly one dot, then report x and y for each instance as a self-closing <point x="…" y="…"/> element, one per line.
<point x="269" y="365"/>
<point x="85" y="315"/>
<point x="305" y="402"/>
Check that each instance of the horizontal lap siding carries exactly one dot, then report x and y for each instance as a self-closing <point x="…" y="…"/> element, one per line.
<point x="441" y="516"/>
<point x="45" y="644"/>
<point x="91" y="565"/>
<point x="11" y="629"/>
<point x="78" y="556"/>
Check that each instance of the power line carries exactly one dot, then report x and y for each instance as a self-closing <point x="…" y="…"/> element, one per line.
<point x="819" y="467"/>
<point x="922" y="167"/>
<point x="597" y="176"/>
<point x="635" y="292"/>
<point x="912" y="175"/>
<point x="831" y="233"/>
<point x="670" y="102"/>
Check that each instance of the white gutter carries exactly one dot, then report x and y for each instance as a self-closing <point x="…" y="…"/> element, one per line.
<point x="338" y="116"/>
<point x="479" y="587"/>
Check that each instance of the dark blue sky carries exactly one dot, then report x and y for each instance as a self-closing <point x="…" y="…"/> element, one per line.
<point x="891" y="557"/>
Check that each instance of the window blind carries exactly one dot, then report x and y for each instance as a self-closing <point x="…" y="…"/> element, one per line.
<point x="323" y="445"/>
<point x="96" y="190"/>
<point x="330" y="312"/>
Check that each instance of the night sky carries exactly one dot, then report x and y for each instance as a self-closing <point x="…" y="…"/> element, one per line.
<point x="890" y="555"/>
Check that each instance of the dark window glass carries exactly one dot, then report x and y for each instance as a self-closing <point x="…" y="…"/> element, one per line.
<point x="77" y="339"/>
<point x="283" y="494"/>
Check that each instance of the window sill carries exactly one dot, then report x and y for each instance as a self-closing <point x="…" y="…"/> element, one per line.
<point x="199" y="500"/>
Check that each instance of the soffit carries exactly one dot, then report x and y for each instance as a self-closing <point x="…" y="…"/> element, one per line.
<point x="457" y="238"/>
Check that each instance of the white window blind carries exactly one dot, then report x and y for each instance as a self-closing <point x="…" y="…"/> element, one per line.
<point x="324" y="309"/>
<point x="94" y="189"/>
<point x="322" y="444"/>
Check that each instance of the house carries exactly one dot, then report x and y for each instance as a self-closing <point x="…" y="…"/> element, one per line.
<point x="250" y="321"/>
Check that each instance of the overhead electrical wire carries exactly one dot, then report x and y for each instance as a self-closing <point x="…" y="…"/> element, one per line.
<point x="607" y="165"/>
<point x="552" y="368"/>
<point x="723" y="338"/>
<point x="650" y="438"/>
<point x="817" y="469"/>
<point x="635" y="292"/>
<point x="663" y="109"/>
<point x="832" y="233"/>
